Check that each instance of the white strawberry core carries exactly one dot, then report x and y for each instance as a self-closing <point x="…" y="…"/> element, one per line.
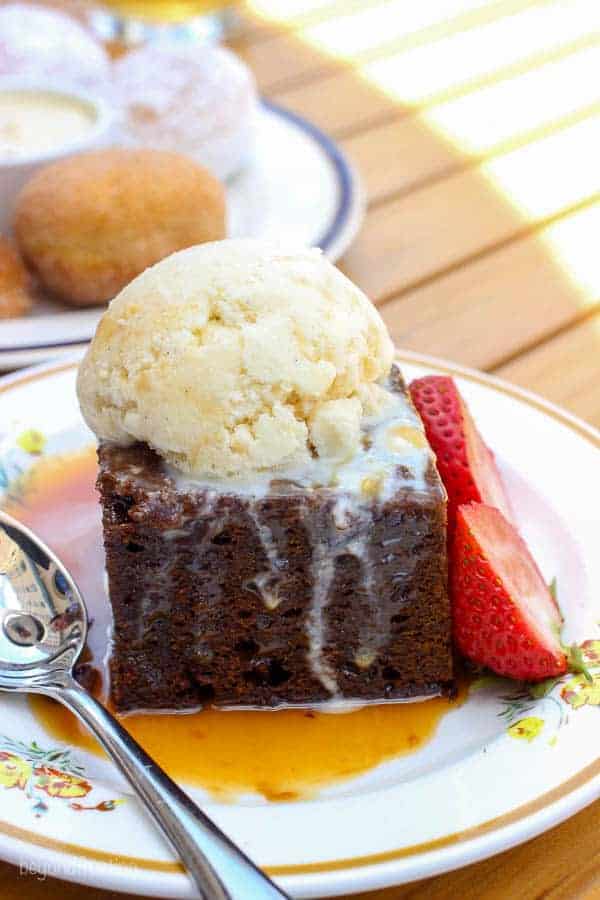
<point x="513" y="564"/>
<point x="483" y="468"/>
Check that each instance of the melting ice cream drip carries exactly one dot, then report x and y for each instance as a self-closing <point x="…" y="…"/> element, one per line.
<point x="322" y="571"/>
<point x="215" y="525"/>
<point x="348" y="529"/>
<point x="374" y="630"/>
<point x="266" y="583"/>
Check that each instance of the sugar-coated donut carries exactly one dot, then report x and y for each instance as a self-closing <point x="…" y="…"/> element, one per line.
<point x="201" y="101"/>
<point x="47" y="47"/>
<point x="90" y="223"/>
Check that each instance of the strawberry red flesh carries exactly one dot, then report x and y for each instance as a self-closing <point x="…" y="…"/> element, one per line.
<point x="504" y="616"/>
<point x="466" y="465"/>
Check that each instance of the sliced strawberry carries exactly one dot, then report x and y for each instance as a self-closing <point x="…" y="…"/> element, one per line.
<point x="504" y="615"/>
<point x="466" y="465"/>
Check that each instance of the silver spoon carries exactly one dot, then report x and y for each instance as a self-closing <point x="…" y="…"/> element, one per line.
<point x="43" y="627"/>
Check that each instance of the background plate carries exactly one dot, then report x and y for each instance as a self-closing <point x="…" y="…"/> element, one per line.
<point x="473" y="790"/>
<point x="299" y="188"/>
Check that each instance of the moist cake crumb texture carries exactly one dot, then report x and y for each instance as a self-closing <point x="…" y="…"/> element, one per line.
<point x="328" y="583"/>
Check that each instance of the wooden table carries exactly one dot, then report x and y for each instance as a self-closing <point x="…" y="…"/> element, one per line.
<point x="476" y="128"/>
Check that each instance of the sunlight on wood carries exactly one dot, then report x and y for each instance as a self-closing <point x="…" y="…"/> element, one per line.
<point x="573" y="244"/>
<point x="284" y="10"/>
<point x="544" y="177"/>
<point x="482" y="313"/>
<point x="346" y="36"/>
<point x="439" y="68"/>
<point x="480" y="121"/>
<point x="564" y="369"/>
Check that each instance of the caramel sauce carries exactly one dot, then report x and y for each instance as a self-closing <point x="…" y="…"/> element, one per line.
<point x="283" y="755"/>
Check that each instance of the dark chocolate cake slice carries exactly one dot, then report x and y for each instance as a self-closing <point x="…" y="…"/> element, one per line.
<point x="295" y="591"/>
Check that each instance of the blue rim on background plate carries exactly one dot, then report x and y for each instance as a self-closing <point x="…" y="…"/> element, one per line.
<point x="66" y="329"/>
<point x="347" y="179"/>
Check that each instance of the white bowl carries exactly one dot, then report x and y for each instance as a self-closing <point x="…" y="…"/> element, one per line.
<point x="14" y="172"/>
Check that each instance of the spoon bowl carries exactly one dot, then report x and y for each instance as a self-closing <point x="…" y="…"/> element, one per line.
<point x="43" y="619"/>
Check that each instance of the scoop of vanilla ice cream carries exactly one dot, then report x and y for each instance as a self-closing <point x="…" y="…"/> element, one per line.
<point x="235" y="357"/>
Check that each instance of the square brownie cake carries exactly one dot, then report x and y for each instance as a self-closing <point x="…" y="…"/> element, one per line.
<point x="296" y="590"/>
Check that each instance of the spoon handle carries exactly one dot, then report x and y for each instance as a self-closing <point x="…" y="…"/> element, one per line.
<point x="220" y="870"/>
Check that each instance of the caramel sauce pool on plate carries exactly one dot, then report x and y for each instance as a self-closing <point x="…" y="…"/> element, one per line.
<point x="281" y="754"/>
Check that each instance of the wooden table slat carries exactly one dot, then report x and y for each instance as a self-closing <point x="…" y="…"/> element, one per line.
<point x="398" y="156"/>
<point x="575" y="354"/>
<point x="282" y="60"/>
<point x="357" y="29"/>
<point x="421" y="235"/>
<point x="299" y="56"/>
<point x="483" y="313"/>
<point x="297" y="13"/>
<point x="345" y="100"/>
<point x="470" y="58"/>
<point x="394" y="26"/>
<point x="340" y="102"/>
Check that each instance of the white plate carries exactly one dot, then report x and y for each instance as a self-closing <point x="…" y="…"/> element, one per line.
<point x="298" y="188"/>
<point x="472" y="791"/>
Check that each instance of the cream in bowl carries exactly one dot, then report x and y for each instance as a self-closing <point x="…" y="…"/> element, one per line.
<point x="35" y="122"/>
<point x="39" y="125"/>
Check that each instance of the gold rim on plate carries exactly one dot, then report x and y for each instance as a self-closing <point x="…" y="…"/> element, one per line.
<point x="358" y="862"/>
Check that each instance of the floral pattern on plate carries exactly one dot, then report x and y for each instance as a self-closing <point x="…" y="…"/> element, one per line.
<point x="520" y="699"/>
<point x="45" y="775"/>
